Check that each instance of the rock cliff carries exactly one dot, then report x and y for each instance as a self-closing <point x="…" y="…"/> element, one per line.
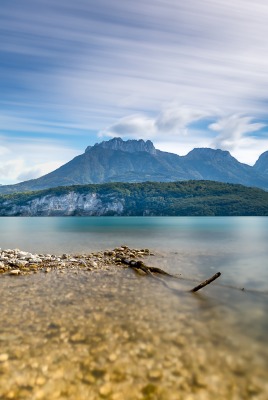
<point x="71" y="203"/>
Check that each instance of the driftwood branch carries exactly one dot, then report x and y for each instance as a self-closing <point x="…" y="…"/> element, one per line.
<point x="205" y="283"/>
<point x="145" y="268"/>
<point x="139" y="265"/>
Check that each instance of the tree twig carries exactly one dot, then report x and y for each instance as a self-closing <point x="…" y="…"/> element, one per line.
<point x="206" y="282"/>
<point x="139" y="265"/>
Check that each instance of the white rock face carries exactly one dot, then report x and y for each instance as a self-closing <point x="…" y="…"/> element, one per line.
<point x="71" y="203"/>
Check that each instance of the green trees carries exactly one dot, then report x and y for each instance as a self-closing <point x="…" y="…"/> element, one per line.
<point x="162" y="198"/>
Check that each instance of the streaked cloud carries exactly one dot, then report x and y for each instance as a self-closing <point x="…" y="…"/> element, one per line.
<point x="27" y="158"/>
<point x="173" y="120"/>
<point x="145" y="68"/>
<point x="232" y="129"/>
<point x="173" y="130"/>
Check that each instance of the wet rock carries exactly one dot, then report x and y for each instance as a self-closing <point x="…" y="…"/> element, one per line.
<point x="105" y="390"/>
<point x="149" y="390"/>
<point x="15" y="272"/>
<point x="40" y="381"/>
<point x="22" y="254"/>
<point x="4" y="357"/>
<point x="155" y="374"/>
<point x="20" y="263"/>
<point x="112" y="357"/>
<point x="35" y="260"/>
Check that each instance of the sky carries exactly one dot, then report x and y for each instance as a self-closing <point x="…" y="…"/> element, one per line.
<point x="183" y="74"/>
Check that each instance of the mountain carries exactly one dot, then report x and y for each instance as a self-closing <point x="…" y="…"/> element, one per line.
<point x="139" y="161"/>
<point x="196" y="198"/>
<point x="130" y="146"/>
<point x="219" y="165"/>
<point x="261" y="164"/>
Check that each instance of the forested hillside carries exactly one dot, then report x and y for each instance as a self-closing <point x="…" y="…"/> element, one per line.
<point x="149" y="198"/>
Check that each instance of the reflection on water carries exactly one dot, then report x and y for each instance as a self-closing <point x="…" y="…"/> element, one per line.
<point x="120" y="336"/>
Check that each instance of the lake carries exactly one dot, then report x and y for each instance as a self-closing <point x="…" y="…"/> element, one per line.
<point x="236" y="246"/>
<point x="122" y="336"/>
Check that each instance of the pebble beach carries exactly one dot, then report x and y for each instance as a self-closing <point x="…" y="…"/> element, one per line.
<point x="17" y="262"/>
<point x="86" y="327"/>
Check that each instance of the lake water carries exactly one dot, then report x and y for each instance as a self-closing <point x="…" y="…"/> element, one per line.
<point x="121" y="336"/>
<point x="236" y="246"/>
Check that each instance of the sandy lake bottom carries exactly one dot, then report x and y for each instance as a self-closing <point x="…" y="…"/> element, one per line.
<point x="116" y="335"/>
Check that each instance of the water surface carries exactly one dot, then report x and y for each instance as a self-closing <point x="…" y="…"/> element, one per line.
<point x="115" y="335"/>
<point x="236" y="246"/>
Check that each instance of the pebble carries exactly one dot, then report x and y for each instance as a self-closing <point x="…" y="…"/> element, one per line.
<point x="105" y="390"/>
<point x="4" y="357"/>
<point x="155" y="374"/>
<point x="14" y="272"/>
<point x="27" y="262"/>
<point x="40" y="381"/>
<point x="112" y="357"/>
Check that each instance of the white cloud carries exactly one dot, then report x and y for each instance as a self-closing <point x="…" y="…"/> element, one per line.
<point x="116" y="58"/>
<point x="232" y="129"/>
<point x="3" y="150"/>
<point x="10" y="169"/>
<point x="171" y="131"/>
<point x="37" y="170"/>
<point x="172" y="121"/>
<point x="28" y="158"/>
<point x="249" y="149"/>
<point x="175" y="119"/>
<point x="88" y="64"/>
<point x="201" y="53"/>
<point x="134" y="126"/>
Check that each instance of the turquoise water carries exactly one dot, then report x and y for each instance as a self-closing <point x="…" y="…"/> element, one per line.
<point x="236" y="246"/>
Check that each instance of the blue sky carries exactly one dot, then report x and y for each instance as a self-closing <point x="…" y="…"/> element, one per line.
<point x="182" y="73"/>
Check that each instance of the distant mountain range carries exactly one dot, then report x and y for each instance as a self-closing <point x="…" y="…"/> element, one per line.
<point x="139" y="161"/>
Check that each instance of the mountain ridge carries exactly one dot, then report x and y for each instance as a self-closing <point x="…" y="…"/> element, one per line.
<point x="191" y="198"/>
<point x="139" y="161"/>
<point x="129" y="146"/>
<point x="262" y="163"/>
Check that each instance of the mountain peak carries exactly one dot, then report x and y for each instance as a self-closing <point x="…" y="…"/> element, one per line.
<point x="117" y="160"/>
<point x="129" y="146"/>
<point x="201" y="152"/>
<point x="261" y="164"/>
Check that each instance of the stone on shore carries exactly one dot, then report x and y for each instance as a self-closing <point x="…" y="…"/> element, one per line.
<point x="17" y="262"/>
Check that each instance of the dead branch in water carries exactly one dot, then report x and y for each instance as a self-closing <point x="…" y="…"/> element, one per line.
<point x="145" y="268"/>
<point x="206" y="282"/>
<point x="140" y="266"/>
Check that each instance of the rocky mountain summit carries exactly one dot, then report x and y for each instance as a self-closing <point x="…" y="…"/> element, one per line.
<point x="129" y="146"/>
<point x="116" y="160"/>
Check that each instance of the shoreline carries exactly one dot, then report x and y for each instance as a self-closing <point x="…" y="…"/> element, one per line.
<point x="15" y="262"/>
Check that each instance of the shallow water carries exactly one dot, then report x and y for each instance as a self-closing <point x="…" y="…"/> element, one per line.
<point x="236" y="246"/>
<point x="120" y="336"/>
<point x="115" y="335"/>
